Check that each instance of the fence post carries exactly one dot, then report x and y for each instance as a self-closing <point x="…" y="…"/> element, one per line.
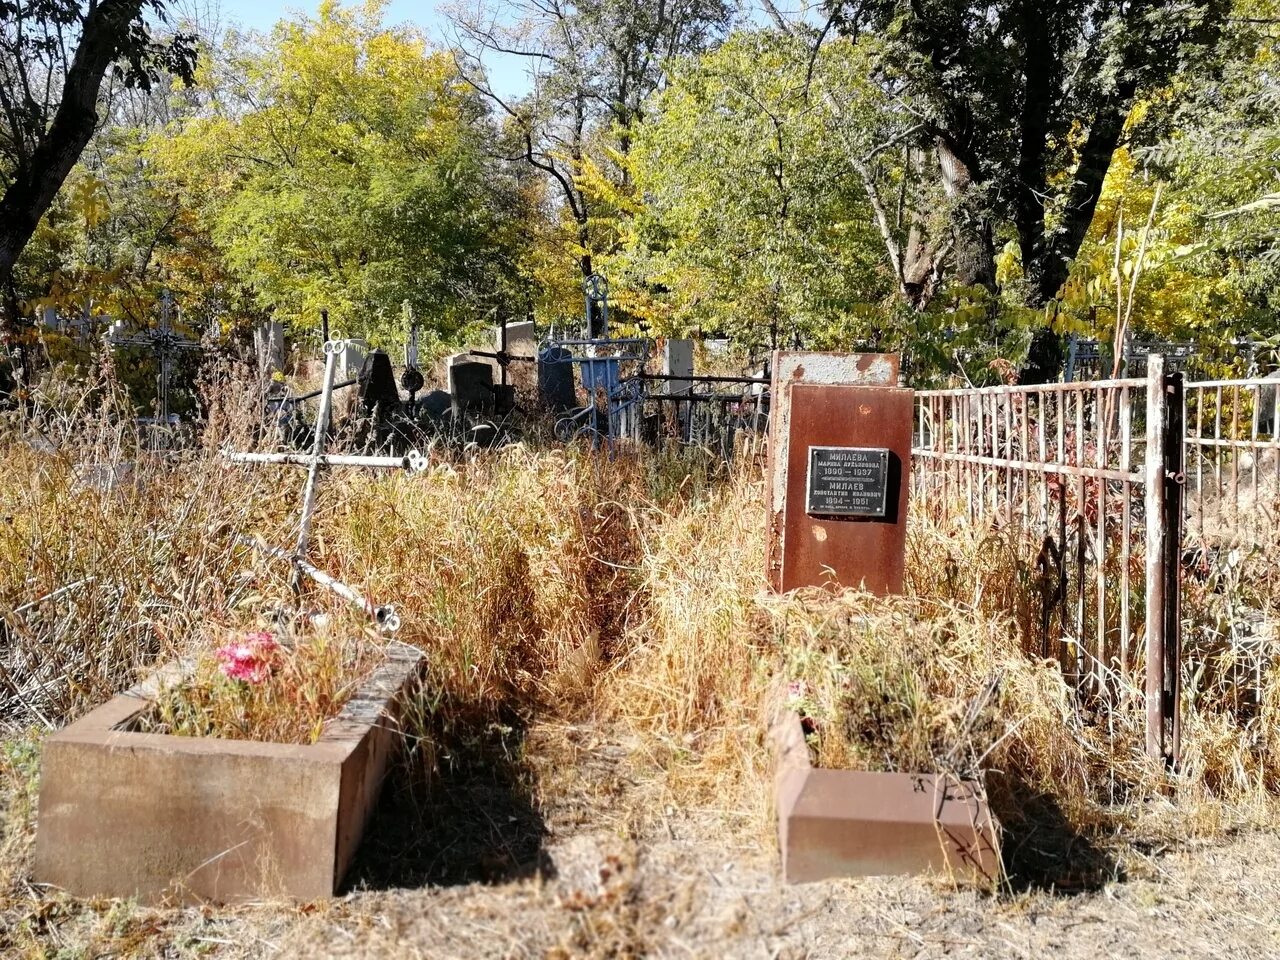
<point x="1163" y="482"/>
<point x="1154" y="515"/>
<point x="1174" y="488"/>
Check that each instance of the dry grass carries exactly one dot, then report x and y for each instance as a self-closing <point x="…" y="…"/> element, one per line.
<point x="567" y="587"/>
<point x="303" y="682"/>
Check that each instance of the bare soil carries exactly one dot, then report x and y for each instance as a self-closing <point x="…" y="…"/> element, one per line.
<point x="563" y="849"/>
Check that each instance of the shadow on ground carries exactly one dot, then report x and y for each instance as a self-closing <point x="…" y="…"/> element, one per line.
<point x="468" y="814"/>
<point x="1040" y="848"/>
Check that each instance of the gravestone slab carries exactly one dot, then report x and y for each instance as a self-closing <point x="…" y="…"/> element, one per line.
<point x="470" y="386"/>
<point x="377" y="387"/>
<point x="268" y="346"/>
<point x="521" y="339"/>
<point x="351" y="359"/>
<point x="677" y="361"/>
<point x="839" y="458"/>
<point x="555" y="380"/>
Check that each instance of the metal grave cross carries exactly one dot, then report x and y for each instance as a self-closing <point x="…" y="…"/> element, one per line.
<point x="413" y="462"/>
<point x="165" y="342"/>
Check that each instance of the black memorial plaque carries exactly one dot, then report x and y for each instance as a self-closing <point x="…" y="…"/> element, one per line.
<point x="848" y="481"/>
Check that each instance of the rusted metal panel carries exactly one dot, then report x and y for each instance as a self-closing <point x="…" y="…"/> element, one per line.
<point x="816" y="550"/>
<point x="832" y="369"/>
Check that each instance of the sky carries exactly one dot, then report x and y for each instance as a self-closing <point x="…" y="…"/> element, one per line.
<point x="507" y="74"/>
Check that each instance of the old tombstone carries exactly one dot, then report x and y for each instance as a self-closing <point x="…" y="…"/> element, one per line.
<point x="377" y="389"/>
<point x="521" y="339"/>
<point x="470" y="385"/>
<point x="555" y="379"/>
<point x="677" y="362"/>
<point x="351" y="359"/>
<point x="839" y="462"/>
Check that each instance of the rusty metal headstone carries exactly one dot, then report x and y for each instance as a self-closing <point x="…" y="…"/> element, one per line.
<point x="839" y="459"/>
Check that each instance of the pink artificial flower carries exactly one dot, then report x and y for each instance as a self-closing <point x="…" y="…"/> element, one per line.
<point x="250" y="660"/>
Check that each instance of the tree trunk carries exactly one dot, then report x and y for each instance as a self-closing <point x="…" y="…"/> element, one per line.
<point x="974" y="250"/>
<point x="920" y="274"/>
<point x="36" y="183"/>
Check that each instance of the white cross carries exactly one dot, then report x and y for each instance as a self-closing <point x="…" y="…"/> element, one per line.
<point x="414" y="462"/>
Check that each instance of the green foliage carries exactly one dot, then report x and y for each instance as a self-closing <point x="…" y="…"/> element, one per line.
<point x="1200" y="165"/>
<point x="1025" y="104"/>
<point x="966" y="336"/>
<point x="343" y="166"/>
<point x="752" y="223"/>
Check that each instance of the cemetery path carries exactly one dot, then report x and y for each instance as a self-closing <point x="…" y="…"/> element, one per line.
<point x="618" y="873"/>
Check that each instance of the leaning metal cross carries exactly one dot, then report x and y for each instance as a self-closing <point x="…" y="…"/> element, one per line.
<point x="414" y="462"/>
<point x="165" y="342"/>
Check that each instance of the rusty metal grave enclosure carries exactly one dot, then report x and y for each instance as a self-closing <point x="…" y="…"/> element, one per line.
<point x="1086" y="481"/>
<point x="1232" y="462"/>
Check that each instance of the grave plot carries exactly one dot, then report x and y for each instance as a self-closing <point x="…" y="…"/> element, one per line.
<point x="126" y="811"/>
<point x="839" y="461"/>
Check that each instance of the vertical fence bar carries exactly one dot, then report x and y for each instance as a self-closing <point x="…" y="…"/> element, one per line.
<point x="1217" y="455"/>
<point x="1275" y="441"/>
<point x="1235" y="459"/>
<point x="1101" y="419"/>
<point x="1043" y="443"/>
<point x="1007" y="401"/>
<point x="1126" y="533"/>
<point x="1155" y="510"/>
<point x="1025" y="455"/>
<point x="1200" y="460"/>
<point x="970" y="476"/>
<point x="1174" y="483"/>
<point x="1081" y="538"/>
<point x="1256" y="393"/>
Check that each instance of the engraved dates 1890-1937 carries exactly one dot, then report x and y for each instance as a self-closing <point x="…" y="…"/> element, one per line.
<point x="848" y="481"/>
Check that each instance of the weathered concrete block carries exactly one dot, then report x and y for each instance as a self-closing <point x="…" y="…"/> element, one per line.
<point x="129" y="814"/>
<point x="847" y="823"/>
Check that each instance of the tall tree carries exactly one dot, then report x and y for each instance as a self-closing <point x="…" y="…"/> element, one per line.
<point x="1024" y="103"/>
<point x="346" y="166"/>
<point x="54" y="55"/>
<point x="749" y="220"/>
<point x="592" y="64"/>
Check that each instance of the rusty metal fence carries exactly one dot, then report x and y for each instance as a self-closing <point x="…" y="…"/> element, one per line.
<point x="1086" y="479"/>
<point x="1232" y="451"/>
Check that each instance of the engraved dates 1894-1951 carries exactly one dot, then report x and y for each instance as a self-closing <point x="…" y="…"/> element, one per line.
<point x="848" y="481"/>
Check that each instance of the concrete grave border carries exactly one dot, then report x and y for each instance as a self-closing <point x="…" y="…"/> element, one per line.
<point x="853" y="823"/>
<point x="128" y="814"/>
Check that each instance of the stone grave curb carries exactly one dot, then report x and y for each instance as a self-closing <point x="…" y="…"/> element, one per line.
<point x="855" y="823"/>
<point x="146" y="815"/>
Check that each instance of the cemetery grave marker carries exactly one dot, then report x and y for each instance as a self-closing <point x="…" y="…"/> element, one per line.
<point x="384" y="615"/>
<point x="839" y="457"/>
<point x="165" y="342"/>
<point x="130" y="814"/>
<point x="268" y="346"/>
<point x="412" y="379"/>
